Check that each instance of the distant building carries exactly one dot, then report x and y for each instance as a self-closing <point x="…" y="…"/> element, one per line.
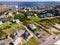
<point x="49" y="14"/>
<point x="4" y="7"/>
<point x="35" y="15"/>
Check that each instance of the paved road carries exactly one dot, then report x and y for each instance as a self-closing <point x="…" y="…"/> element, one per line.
<point x="6" y="41"/>
<point x="51" y="40"/>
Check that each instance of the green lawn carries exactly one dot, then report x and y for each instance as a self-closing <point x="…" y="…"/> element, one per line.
<point x="36" y="18"/>
<point x="32" y="41"/>
<point x="14" y="27"/>
<point x="27" y="22"/>
<point x="7" y="29"/>
<point x="56" y="33"/>
<point x="2" y="34"/>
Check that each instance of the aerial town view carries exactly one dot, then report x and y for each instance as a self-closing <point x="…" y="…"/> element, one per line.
<point x="29" y="23"/>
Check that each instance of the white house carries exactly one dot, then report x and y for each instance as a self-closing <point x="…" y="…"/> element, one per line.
<point x="9" y="14"/>
<point x="29" y="37"/>
<point x="18" y="41"/>
<point x="35" y="15"/>
<point x="17" y="21"/>
<point x="32" y="26"/>
<point x="0" y="22"/>
<point x="13" y="20"/>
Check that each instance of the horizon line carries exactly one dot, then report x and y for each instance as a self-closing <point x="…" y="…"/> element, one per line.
<point x="29" y="1"/>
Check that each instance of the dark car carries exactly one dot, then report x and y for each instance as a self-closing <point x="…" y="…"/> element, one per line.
<point x="38" y="35"/>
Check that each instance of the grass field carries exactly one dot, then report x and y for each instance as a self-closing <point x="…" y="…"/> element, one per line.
<point x="36" y="19"/>
<point x="6" y="29"/>
<point x="56" y="33"/>
<point x="32" y="41"/>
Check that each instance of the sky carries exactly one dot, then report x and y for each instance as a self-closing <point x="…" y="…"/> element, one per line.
<point x="30" y="0"/>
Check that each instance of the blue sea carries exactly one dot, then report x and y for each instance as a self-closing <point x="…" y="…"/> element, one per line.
<point x="30" y="4"/>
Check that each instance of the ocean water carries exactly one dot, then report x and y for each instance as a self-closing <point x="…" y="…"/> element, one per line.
<point x="30" y="4"/>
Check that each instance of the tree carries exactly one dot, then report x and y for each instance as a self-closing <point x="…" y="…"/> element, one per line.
<point x="20" y="16"/>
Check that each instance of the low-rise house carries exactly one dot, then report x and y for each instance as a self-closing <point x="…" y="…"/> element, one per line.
<point x="13" y="20"/>
<point x="18" y="41"/>
<point x="16" y="21"/>
<point x="32" y="26"/>
<point x="17" y="34"/>
<point x="27" y="35"/>
<point x="9" y="14"/>
<point x="1" y="22"/>
<point x="23" y="35"/>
